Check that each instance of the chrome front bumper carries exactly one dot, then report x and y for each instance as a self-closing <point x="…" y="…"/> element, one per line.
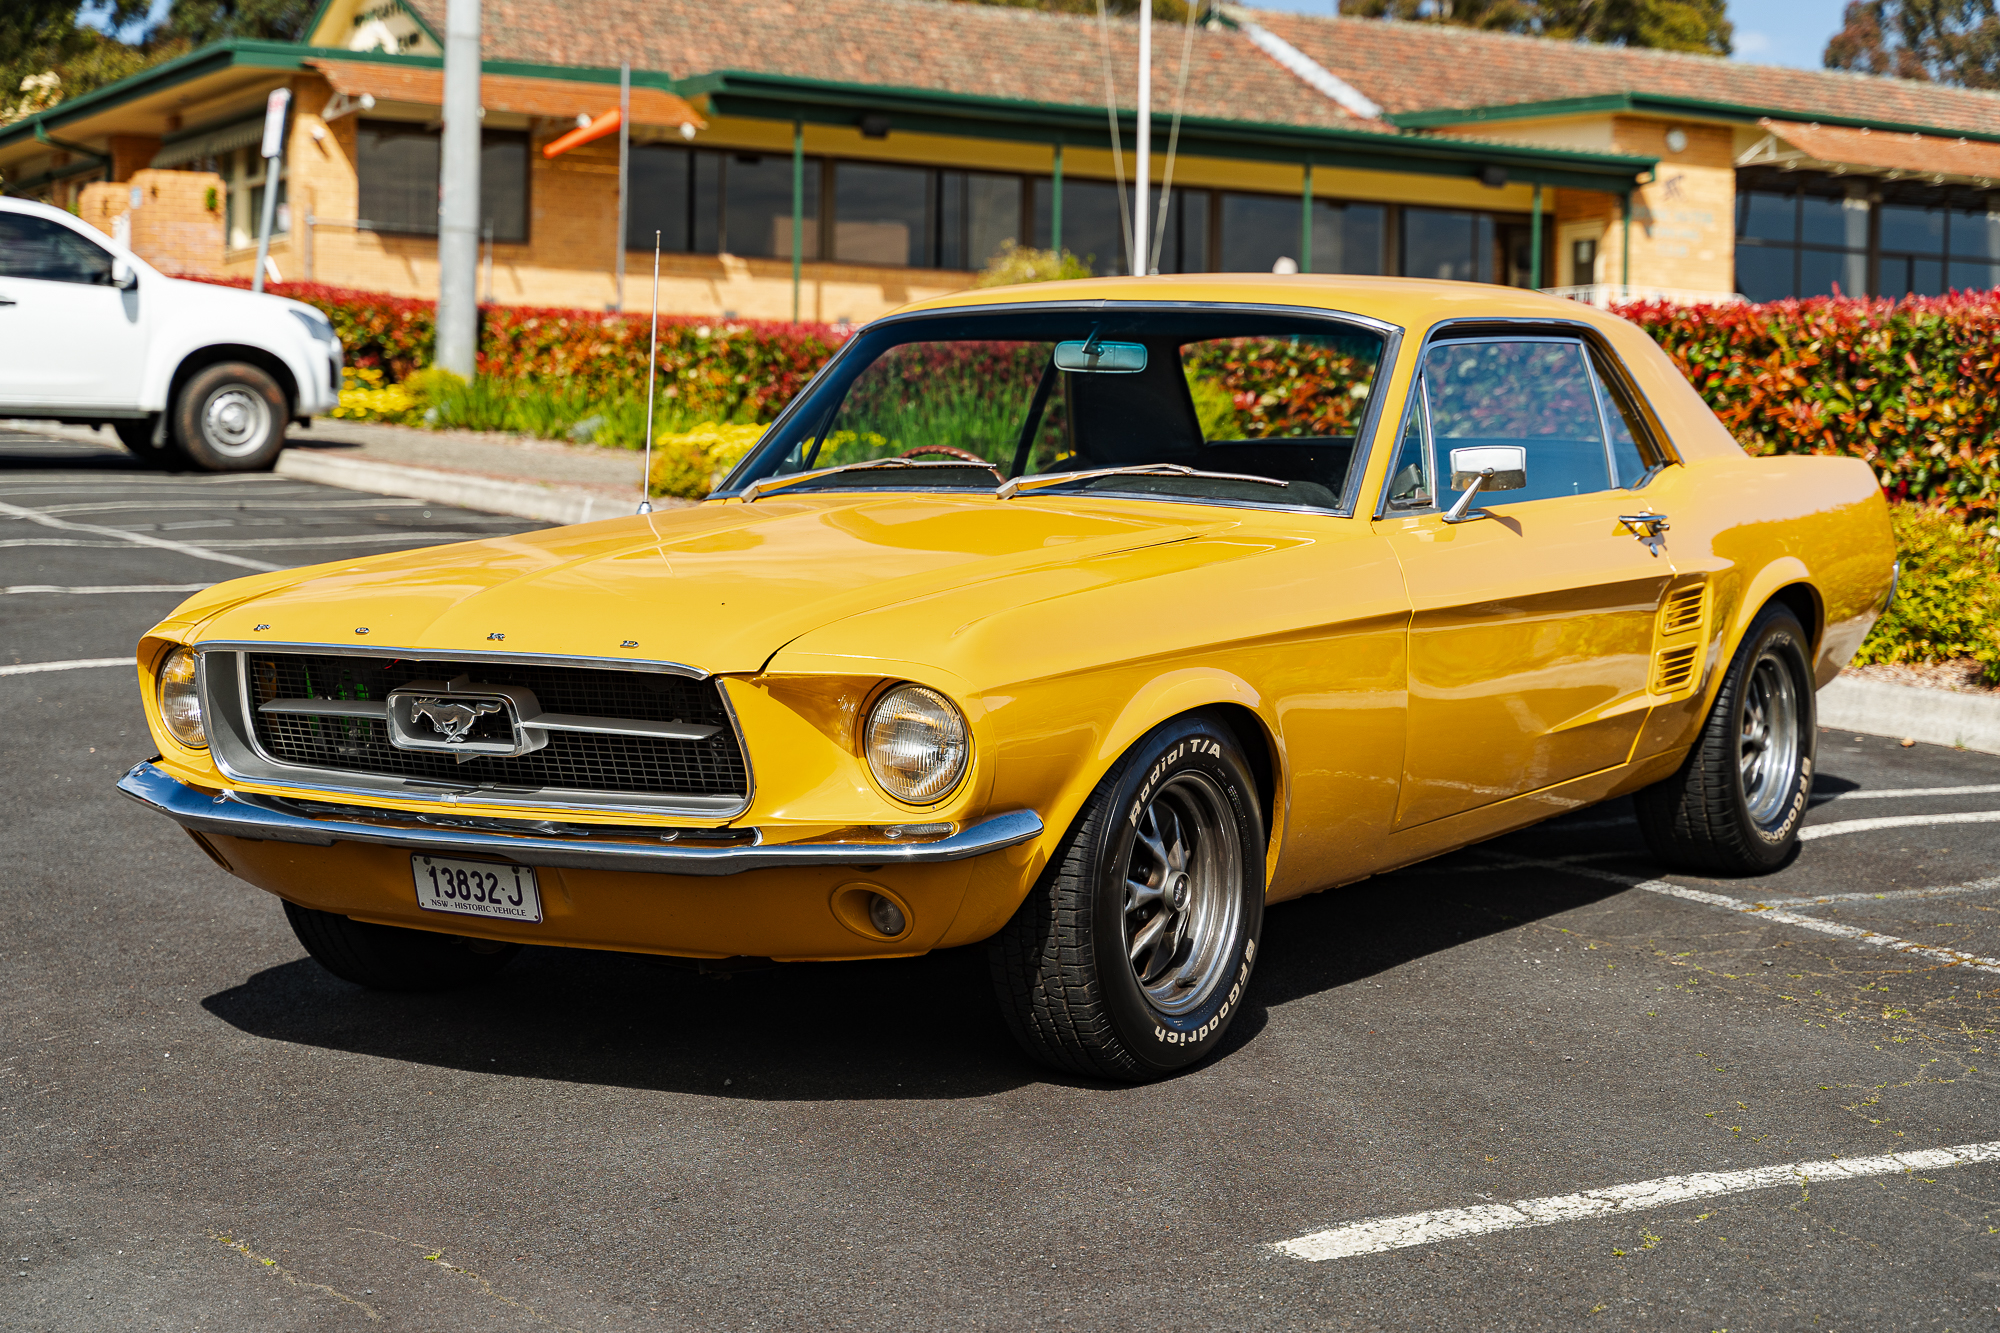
<point x="239" y="815"/>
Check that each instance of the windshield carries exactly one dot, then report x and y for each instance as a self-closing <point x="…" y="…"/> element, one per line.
<point x="1189" y="404"/>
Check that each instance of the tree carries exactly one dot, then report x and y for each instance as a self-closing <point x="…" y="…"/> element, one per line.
<point x="46" y="55"/>
<point x="1937" y="41"/>
<point x="205" y="21"/>
<point x="1699" y="26"/>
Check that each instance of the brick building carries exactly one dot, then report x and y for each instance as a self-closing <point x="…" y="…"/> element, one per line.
<point x="844" y="157"/>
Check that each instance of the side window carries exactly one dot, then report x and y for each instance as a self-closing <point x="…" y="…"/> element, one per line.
<point x="1409" y="483"/>
<point x="32" y="247"/>
<point x="1632" y="448"/>
<point x="1539" y="394"/>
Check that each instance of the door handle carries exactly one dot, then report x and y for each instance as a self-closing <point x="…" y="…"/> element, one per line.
<point x="1650" y="529"/>
<point x="8" y="300"/>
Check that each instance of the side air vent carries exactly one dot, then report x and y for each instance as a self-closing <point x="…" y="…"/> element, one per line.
<point x="1683" y="610"/>
<point x="1675" y="669"/>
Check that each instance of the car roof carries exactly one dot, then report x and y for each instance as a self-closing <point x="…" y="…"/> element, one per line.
<point x="1410" y="303"/>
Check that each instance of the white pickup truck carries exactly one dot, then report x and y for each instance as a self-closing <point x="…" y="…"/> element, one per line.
<point x="191" y="375"/>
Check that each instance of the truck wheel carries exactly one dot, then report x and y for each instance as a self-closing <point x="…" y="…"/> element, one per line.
<point x="1130" y="956"/>
<point x="1735" y="805"/>
<point x="137" y="437"/>
<point x="231" y="418"/>
<point x="392" y="958"/>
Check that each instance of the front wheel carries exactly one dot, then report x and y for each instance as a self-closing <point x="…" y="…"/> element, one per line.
<point x="393" y="957"/>
<point x="1130" y="956"/>
<point x="230" y="418"/>
<point x="1735" y="805"/>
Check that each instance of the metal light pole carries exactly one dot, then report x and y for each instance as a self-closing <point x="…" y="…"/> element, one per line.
<point x="275" y="108"/>
<point x="1142" y="236"/>
<point x="458" y="195"/>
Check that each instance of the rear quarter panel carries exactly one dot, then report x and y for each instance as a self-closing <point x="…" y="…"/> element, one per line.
<point x="1755" y="528"/>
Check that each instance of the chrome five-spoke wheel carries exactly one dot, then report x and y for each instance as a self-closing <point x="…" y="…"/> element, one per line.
<point x="1131" y="956"/>
<point x="1183" y="891"/>
<point x="1769" y="748"/>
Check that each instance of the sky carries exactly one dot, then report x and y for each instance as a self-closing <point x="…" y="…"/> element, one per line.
<point x="1768" y="32"/>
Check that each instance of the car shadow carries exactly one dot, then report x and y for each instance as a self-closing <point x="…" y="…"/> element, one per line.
<point x="897" y="1028"/>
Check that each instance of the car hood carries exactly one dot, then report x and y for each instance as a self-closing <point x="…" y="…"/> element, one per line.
<point x="720" y="587"/>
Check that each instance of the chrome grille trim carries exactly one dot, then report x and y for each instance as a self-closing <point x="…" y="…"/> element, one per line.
<point x="227" y="696"/>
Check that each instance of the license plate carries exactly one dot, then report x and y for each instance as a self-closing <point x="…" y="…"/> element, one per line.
<point x="476" y="888"/>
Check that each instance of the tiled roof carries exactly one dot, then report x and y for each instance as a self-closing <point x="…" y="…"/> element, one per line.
<point x="975" y="50"/>
<point x="1920" y="153"/>
<point x="1426" y="66"/>
<point x="556" y="98"/>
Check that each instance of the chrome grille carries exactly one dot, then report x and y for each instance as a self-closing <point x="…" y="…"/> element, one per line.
<point x="571" y="760"/>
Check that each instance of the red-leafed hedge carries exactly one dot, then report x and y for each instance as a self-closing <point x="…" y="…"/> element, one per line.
<point x="1908" y="385"/>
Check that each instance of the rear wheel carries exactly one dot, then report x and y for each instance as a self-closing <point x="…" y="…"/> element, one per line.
<point x="393" y="958"/>
<point x="230" y="417"/>
<point x="1130" y="956"/>
<point x="1735" y="805"/>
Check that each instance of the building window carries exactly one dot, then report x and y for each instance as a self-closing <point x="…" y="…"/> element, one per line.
<point x="397" y="165"/>
<point x="1812" y="235"/>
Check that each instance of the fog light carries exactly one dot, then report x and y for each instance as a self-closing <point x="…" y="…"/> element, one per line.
<point x="180" y="698"/>
<point x="884" y="915"/>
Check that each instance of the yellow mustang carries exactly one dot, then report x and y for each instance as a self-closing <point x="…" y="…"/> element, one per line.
<point x="1086" y="619"/>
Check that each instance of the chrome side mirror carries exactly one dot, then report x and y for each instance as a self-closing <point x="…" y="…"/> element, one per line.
<point x="123" y="276"/>
<point x="1486" y="467"/>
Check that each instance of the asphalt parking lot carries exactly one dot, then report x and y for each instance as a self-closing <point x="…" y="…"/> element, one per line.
<point x="201" y="1129"/>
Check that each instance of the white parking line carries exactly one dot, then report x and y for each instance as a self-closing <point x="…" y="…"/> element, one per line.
<point x="31" y="668"/>
<point x="353" y="539"/>
<point x="20" y="588"/>
<point x="1765" y="912"/>
<point x="1976" y="886"/>
<point x="137" y="538"/>
<point x="256" y="503"/>
<point x="1818" y="831"/>
<point x="1396" y="1233"/>
<point x="1986" y="790"/>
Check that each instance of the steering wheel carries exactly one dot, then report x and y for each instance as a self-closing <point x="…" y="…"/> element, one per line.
<point x="949" y="450"/>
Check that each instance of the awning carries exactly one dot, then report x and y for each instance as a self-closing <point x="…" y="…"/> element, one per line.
<point x="558" y="99"/>
<point x="1875" y="153"/>
<point x="210" y="143"/>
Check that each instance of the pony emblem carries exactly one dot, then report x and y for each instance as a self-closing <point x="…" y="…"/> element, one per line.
<point x="453" y="721"/>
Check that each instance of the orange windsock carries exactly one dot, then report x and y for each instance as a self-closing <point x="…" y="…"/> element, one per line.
<point x="597" y="129"/>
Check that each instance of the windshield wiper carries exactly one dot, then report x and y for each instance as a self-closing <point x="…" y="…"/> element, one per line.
<point x="766" y="485"/>
<point x="1013" y="488"/>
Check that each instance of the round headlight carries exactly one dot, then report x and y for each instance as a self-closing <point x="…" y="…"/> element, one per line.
<point x="180" y="698"/>
<point x="917" y="744"/>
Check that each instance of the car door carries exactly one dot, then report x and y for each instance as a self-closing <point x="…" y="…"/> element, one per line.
<point x="1532" y="629"/>
<point x="69" y="336"/>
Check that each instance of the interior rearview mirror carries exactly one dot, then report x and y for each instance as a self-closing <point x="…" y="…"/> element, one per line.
<point x="123" y="276"/>
<point x="1095" y="356"/>
<point x="1497" y="467"/>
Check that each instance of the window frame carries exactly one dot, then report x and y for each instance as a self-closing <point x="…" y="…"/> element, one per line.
<point x="76" y="237"/>
<point x="1608" y="376"/>
<point x="487" y="138"/>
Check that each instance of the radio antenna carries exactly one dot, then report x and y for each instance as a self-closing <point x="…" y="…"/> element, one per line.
<point x="652" y="372"/>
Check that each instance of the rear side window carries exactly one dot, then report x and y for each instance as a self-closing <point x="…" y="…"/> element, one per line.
<point x="1545" y="395"/>
<point x="32" y="247"/>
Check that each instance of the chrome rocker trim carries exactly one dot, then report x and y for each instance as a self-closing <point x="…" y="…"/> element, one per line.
<point x="239" y="815"/>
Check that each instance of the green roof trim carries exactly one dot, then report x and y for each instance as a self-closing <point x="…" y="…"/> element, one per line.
<point x="1654" y="104"/>
<point x="248" y="53"/>
<point x="927" y="111"/>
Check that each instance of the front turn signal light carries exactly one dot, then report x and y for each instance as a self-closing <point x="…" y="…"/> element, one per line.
<point x="180" y="698"/>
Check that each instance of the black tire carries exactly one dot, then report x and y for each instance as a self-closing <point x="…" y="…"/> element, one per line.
<point x="230" y="417"/>
<point x="1734" y="806"/>
<point x="392" y="958"/>
<point x="1063" y="965"/>
<point x="137" y="437"/>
